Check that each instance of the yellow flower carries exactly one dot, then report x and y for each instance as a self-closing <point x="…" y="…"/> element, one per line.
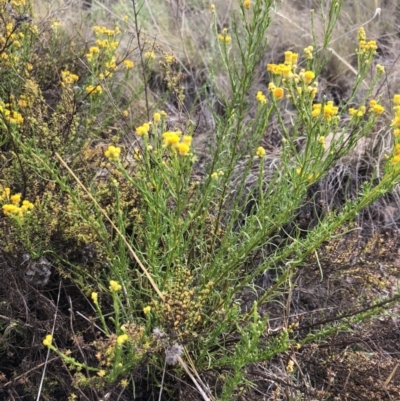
<point x="124" y="383"/>
<point x="396" y="159"/>
<point x="47" y="340"/>
<point x="171" y="138"/>
<point x="95" y="297"/>
<point x="150" y="55"/>
<point x="278" y="93"/>
<point x="112" y="153"/>
<point x="396" y="132"/>
<point x="143" y="129"/>
<point x="129" y="64"/>
<point x="308" y="51"/>
<point x="261" y="97"/>
<point x="147" y="309"/>
<point x="212" y="7"/>
<point x="260" y="151"/>
<point x="396" y="100"/>
<point x="380" y="69"/>
<point x="308" y="77"/>
<point x="169" y="59"/>
<point x="214" y="175"/>
<point x="157" y="117"/>
<point x="316" y="111"/>
<point x="224" y="37"/>
<point x="183" y="148"/>
<point x="396" y="122"/>
<point x="94" y="50"/>
<point x="329" y="111"/>
<point x="10" y="209"/>
<point x="361" y="34"/>
<point x="289" y="367"/>
<point x="122" y="338"/>
<point x="114" y="286"/>
<point x="26" y="205"/>
<point x="101" y="373"/>
<point x="247" y="4"/>
<point x="94" y="89"/>
<point x="378" y="109"/>
<point x="187" y="139"/>
<point x="15" y="199"/>
<point x="290" y="57"/>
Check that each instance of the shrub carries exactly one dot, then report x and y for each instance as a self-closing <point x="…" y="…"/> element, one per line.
<point x="174" y="252"/>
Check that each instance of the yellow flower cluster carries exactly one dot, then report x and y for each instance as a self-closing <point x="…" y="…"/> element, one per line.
<point x="260" y="152"/>
<point x="95" y="297"/>
<point x="156" y="117"/>
<point x="47" y="341"/>
<point x="217" y="174"/>
<point x="328" y="111"/>
<point x="93" y="90"/>
<point x="308" y="51"/>
<point x="129" y="64"/>
<point x="12" y="116"/>
<point x="68" y="78"/>
<point x="247" y="4"/>
<point x="173" y="139"/>
<point x="396" y="127"/>
<point x="169" y="58"/>
<point x="280" y="69"/>
<point x="150" y="55"/>
<point x="364" y="47"/>
<point x="396" y="120"/>
<point x="102" y="30"/>
<point x="103" y="53"/>
<point x="112" y="153"/>
<point x="122" y="339"/>
<point x="375" y="107"/>
<point x="277" y="92"/>
<point x="357" y="112"/>
<point x="308" y="76"/>
<point x="321" y="140"/>
<point x="261" y="98"/>
<point x="224" y="37"/>
<point x="143" y="129"/>
<point x="285" y="73"/>
<point x="114" y="286"/>
<point x="15" y="207"/>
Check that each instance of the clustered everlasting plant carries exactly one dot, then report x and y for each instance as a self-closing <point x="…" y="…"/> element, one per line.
<point x="176" y="253"/>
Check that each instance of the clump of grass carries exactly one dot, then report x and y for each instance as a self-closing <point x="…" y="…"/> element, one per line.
<point x="173" y="256"/>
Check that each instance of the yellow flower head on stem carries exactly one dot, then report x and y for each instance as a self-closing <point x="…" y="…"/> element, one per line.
<point x="278" y="93"/>
<point x="114" y="286"/>
<point x="308" y="77"/>
<point x="260" y="152"/>
<point x="261" y="98"/>
<point x="157" y="117"/>
<point x="112" y="153"/>
<point x="183" y="148"/>
<point x="122" y="339"/>
<point x="143" y="129"/>
<point x="47" y="341"/>
<point x="95" y="297"/>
